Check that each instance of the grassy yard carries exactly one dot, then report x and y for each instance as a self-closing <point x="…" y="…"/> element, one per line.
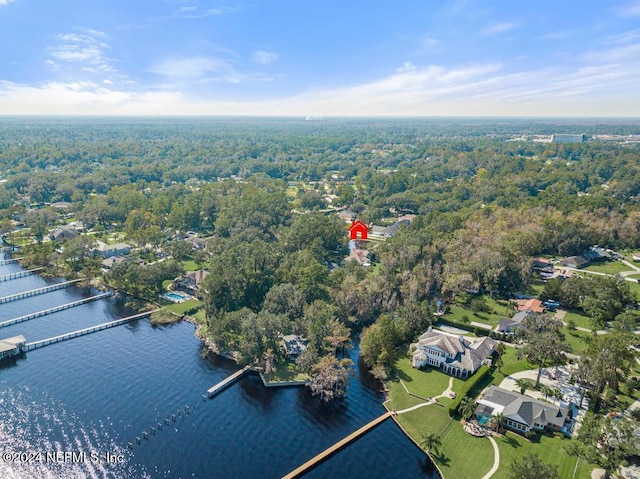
<point x="499" y="309"/>
<point x="576" y="339"/>
<point x="609" y="267"/>
<point x="580" y="319"/>
<point x="423" y="382"/>
<point x="181" y="308"/>
<point x="286" y="371"/>
<point x="190" y="265"/>
<point x="548" y="448"/>
<point x="462" y="455"/>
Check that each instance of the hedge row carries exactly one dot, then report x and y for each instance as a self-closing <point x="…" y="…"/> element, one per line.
<point x="468" y="385"/>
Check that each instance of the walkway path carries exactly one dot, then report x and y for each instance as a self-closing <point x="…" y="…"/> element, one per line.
<point x="447" y="393"/>
<point x="496" y="458"/>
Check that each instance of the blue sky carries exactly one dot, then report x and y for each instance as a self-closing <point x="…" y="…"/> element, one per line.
<point x="320" y="58"/>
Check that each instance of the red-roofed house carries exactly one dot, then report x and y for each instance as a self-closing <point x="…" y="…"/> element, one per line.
<point x="358" y="228"/>
<point x="533" y="305"/>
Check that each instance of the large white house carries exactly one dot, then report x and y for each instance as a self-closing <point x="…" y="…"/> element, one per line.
<point x="455" y="355"/>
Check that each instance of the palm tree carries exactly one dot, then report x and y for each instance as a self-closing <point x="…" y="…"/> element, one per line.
<point x="431" y="442"/>
<point x="467" y="407"/>
<point x="545" y="391"/>
<point x="523" y="384"/>
<point x="499" y="421"/>
<point x="557" y="394"/>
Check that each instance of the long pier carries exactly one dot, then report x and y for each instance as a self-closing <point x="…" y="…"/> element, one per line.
<point x="82" y="332"/>
<point x="34" y="292"/>
<point x="9" y="261"/>
<point x="212" y="391"/>
<point x="337" y="446"/>
<point x="55" y="309"/>
<point x="19" y="274"/>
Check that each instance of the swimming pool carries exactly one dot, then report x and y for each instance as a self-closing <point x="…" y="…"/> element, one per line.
<point x="483" y="420"/>
<point x="175" y="296"/>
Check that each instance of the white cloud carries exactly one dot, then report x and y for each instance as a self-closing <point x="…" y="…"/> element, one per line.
<point x="192" y="68"/>
<point x="204" y="70"/>
<point x="262" y="57"/>
<point x="631" y="9"/>
<point x="5" y="2"/>
<point x="496" y="28"/>
<point x="622" y="38"/>
<point x="559" y="35"/>
<point x="602" y="82"/>
<point x="87" y="48"/>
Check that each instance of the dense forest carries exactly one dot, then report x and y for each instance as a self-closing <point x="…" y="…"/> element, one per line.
<point x="266" y="192"/>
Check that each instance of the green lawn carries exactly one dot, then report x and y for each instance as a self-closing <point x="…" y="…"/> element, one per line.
<point x="634" y="276"/>
<point x="609" y="267"/>
<point x="576" y="339"/>
<point x="286" y="371"/>
<point x="190" y="265"/>
<point x="635" y="288"/>
<point x="181" y="308"/>
<point x="548" y="448"/>
<point x="462" y="455"/>
<point x="498" y="310"/>
<point x="580" y="319"/>
<point x="426" y="382"/>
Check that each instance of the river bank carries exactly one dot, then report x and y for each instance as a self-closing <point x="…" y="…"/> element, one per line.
<point x="101" y="391"/>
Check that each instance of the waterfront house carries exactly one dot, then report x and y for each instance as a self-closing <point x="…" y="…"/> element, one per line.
<point x="458" y="356"/>
<point x="11" y="346"/>
<point x="190" y="281"/>
<point x="294" y="345"/>
<point x="61" y="233"/>
<point x="522" y="413"/>
<point x="109" y="250"/>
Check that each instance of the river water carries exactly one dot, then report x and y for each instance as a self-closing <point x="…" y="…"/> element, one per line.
<point x="95" y="394"/>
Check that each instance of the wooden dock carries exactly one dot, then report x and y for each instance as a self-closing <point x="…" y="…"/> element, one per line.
<point x="337" y="446"/>
<point x="212" y="391"/>
<point x="55" y="309"/>
<point x="19" y="274"/>
<point x="82" y="332"/>
<point x="34" y="292"/>
<point x="9" y="261"/>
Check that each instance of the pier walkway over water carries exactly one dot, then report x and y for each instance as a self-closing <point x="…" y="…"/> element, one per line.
<point x="337" y="446"/>
<point x="55" y="309"/>
<point x="34" y="292"/>
<point x="9" y="261"/>
<point x="19" y="274"/>
<point x="82" y="332"/>
<point x="212" y="391"/>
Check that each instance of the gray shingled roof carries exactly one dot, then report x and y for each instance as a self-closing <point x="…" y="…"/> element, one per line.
<point x="525" y="409"/>
<point x="466" y="354"/>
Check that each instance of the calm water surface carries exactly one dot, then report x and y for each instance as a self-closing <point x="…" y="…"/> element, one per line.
<point x="97" y="393"/>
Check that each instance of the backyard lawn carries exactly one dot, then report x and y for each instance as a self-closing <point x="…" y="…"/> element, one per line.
<point x="181" y="308"/>
<point x="609" y="267"/>
<point x="579" y="319"/>
<point x="426" y="382"/>
<point x="576" y="339"/>
<point x="463" y="455"/>
<point x="285" y="371"/>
